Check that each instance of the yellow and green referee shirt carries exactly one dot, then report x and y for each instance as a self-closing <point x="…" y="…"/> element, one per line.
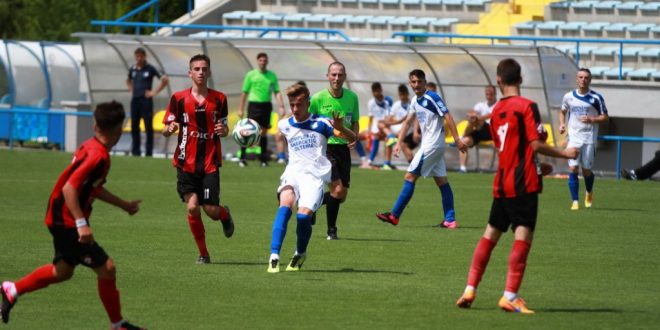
<point x="324" y="104"/>
<point x="260" y="85"/>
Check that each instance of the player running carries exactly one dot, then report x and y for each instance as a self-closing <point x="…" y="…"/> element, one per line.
<point x="515" y="127"/>
<point x="304" y="177"/>
<point x="431" y="112"/>
<point x="67" y="219"/>
<point x="200" y="115"/>
<point x="585" y="110"/>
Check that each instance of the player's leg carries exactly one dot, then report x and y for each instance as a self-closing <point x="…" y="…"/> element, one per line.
<point x="375" y="142"/>
<point x="587" y="159"/>
<point x="481" y="257"/>
<point x="311" y="194"/>
<point x="263" y="118"/>
<point x="136" y="109"/>
<point x="340" y="157"/>
<point x="287" y="197"/>
<point x="148" y="116"/>
<point x="210" y="201"/>
<point x="463" y="156"/>
<point x="280" y="142"/>
<point x="106" y="275"/>
<point x="197" y="227"/>
<point x="415" y="170"/>
<point x="447" y="196"/>
<point x="573" y="181"/>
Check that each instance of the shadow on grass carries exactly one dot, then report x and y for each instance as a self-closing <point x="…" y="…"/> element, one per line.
<point x="353" y="270"/>
<point x="579" y="310"/>
<point x="357" y="239"/>
<point x="239" y="263"/>
<point x="609" y="209"/>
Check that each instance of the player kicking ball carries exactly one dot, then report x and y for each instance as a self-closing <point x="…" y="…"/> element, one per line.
<point x="305" y="175"/>
<point x="69" y="208"/>
<point x="515" y="127"/>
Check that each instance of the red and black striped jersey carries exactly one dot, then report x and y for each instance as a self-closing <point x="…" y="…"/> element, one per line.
<point x="198" y="149"/>
<point x="86" y="173"/>
<point x="513" y="126"/>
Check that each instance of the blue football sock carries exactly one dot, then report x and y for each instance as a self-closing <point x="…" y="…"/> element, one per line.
<point x="589" y="182"/>
<point x="281" y="155"/>
<point x="404" y="197"/>
<point x="574" y="186"/>
<point x="304" y="231"/>
<point x="279" y="229"/>
<point x="360" y="149"/>
<point x="448" y="202"/>
<point x="374" y="150"/>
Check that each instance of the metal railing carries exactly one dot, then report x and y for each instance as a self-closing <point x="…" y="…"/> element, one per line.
<point x="620" y="139"/>
<point x="410" y="37"/>
<point x="208" y="28"/>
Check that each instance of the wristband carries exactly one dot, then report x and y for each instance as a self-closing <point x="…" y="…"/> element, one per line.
<point x="82" y="222"/>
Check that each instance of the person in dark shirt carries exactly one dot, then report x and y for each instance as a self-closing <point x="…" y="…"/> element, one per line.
<point x="140" y="79"/>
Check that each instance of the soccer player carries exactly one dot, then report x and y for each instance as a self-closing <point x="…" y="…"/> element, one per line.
<point x="644" y="172"/>
<point x="478" y="128"/>
<point x="140" y="79"/>
<point x="200" y="116"/>
<point x="341" y="101"/>
<point x="398" y="116"/>
<point x="379" y="108"/>
<point x="303" y="179"/>
<point x="585" y="109"/>
<point x="258" y="85"/>
<point x="431" y="112"/>
<point x="515" y="127"/>
<point x="67" y="219"/>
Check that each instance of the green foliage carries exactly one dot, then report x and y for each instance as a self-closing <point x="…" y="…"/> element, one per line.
<point x="588" y="269"/>
<point x="56" y="20"/>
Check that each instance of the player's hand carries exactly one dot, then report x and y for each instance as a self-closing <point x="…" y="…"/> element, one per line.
<point x="351" y="145"/>
<point x="133" y="206"/>
<point x="337" y="121"/>
<point x="221" y="129"/>
<point x="462" y="147"/>
<point x="571" y="153"/>
<point x="172" y="128"/>
<point x="585" y="119"/>
<point x="149" y="94"/>
<point x="85" y="235"/>
<point x="562" y="129"/>
<point x="240" y="114"/>
<point x="396" y="149"/>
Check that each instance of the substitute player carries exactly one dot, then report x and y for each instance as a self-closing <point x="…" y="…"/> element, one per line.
<point x="585" y="109"/>
<point x="200" y="116"/>
<point x="398" y="116"/>
<point x="67" y="219"/>
<point x="379" y="109"/>
<point x="304" y="177"/>
<point x="515" y="127"/>
<point x="431" y="113"/>
<point x="341" y="101"/>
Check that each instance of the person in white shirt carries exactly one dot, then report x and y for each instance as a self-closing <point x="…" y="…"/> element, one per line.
<point x="584" y="109"/>
<point x="478" y="128"/>
<point x="379" y="108"/>
<point x="307" y="172"/>
<point x="398" y="116"/>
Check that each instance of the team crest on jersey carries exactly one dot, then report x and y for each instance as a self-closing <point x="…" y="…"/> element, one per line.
<point x="171" y="117"/>
<point x="315" y="125"/>
<point x="592" y="100"/>
<point x="425" y="103"/>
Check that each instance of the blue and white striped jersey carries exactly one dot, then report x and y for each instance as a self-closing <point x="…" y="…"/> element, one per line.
<point x="430" y="110"/>
<point x="307" y="142"/>
<point x="591" y="104"/>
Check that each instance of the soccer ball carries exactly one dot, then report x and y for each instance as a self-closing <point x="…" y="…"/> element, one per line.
<point x="246" y="133"/>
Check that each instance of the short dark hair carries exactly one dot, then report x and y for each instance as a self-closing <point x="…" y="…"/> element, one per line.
<point x="140" y="50"/>
<point x="585" y="70"/>
<point x="509" y="71"/>
<point x="376" y="86"/>
<point x="296" y="90"/>
<point x="109" y="115"/>
<point x="492" y="87"/>
<point x="417" y="73"/>
<point x="301" y="82"/>
<point x="199" y="57"/>
<point x="403" y="89"/>
<point x="260" y="55"/>
<point x="337" y="63"/>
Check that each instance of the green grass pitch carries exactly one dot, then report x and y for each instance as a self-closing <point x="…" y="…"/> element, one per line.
<point x="590" y="269"/>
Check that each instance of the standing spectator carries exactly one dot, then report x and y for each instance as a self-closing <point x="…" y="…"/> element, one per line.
<point x="140" y="79"/>
<point x="67" y="219"/>
<point x="478" y="128"/>
<point x="343" y="102"/>
<point x="432" y="113"/>
<point x="585" y="109"/>
<point x="646" y="171"/>
<point x="306" y="173"/>
<point x="258" y="85"/>
<point x="200" y="115"/>
<point x="515" y="127"/>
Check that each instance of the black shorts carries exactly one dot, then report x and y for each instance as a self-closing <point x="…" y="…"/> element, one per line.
<point x="206" y="186"/>
<point x="340" y="157"/>
<point x="410" y="141"/>
<point x="516" y="211"/>
<point x="482" y="134"/>
<point x="260" y="112"/>
<point x="68" y="249"/>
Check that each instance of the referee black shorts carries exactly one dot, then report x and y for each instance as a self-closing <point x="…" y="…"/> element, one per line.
<point x="68" y="248"/>
<point x="260" y="112"/>
<point x="514" y="212"/>
<point x="340" y="158"/>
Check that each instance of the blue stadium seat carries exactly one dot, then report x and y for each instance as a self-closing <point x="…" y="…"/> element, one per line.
<point x="338" y="19"/>
<point x="274" y="19"/>
<point x="656" y="75"/>
<point x="369" y="1"/>
<point x="629" y="5"/>
<point x="571" y="29"/>
<point x="644" y="74"/>
<point x="650" y="8"/>
<point x="641" y="30"/>
<point x="597" y="71"/>
<point x="444" y="22"/>
<point x="583" y="5"/>
<point x="606" y="51"/>
<point x="617" y="30"/>
<point x="402" y="21"/>
<point x="298" y="17"/>
<point x="348" y="1"/>
<point x="422" y="21"/>
<point x="380" y="20"/>
<point x="650" y="53"/>
<point x="613" y="73"/>
<point x="631" y="51"/>
<point x="548" y="28"/>
<point x="360" y="19"/>
<point x="594" y="29"/>
<point x="238" y="14"/>
<point x="389" y="2"/>
<point x="432" y="2"/>
<point x="586" y="50"/>
<point x="411" y="2"/>
<point x="316" y="18"/>
<point x="526" y="28"/>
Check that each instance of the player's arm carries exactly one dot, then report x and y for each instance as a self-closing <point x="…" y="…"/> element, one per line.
<point x="241" y="105"/>
<point x="130" y="206"/>
<point x="220" y="127"/>
<point x="338" y="124"/>
<point x="598" y="119"/>
<point x="280" y="102"/>
<point x="129" y="84"/>
<point x="164" y="80"/>
<point x="454" y="132"/>
<point x="544" y="149"/>
<point x="171" y="126"/>
<point x="71" y="196"/>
